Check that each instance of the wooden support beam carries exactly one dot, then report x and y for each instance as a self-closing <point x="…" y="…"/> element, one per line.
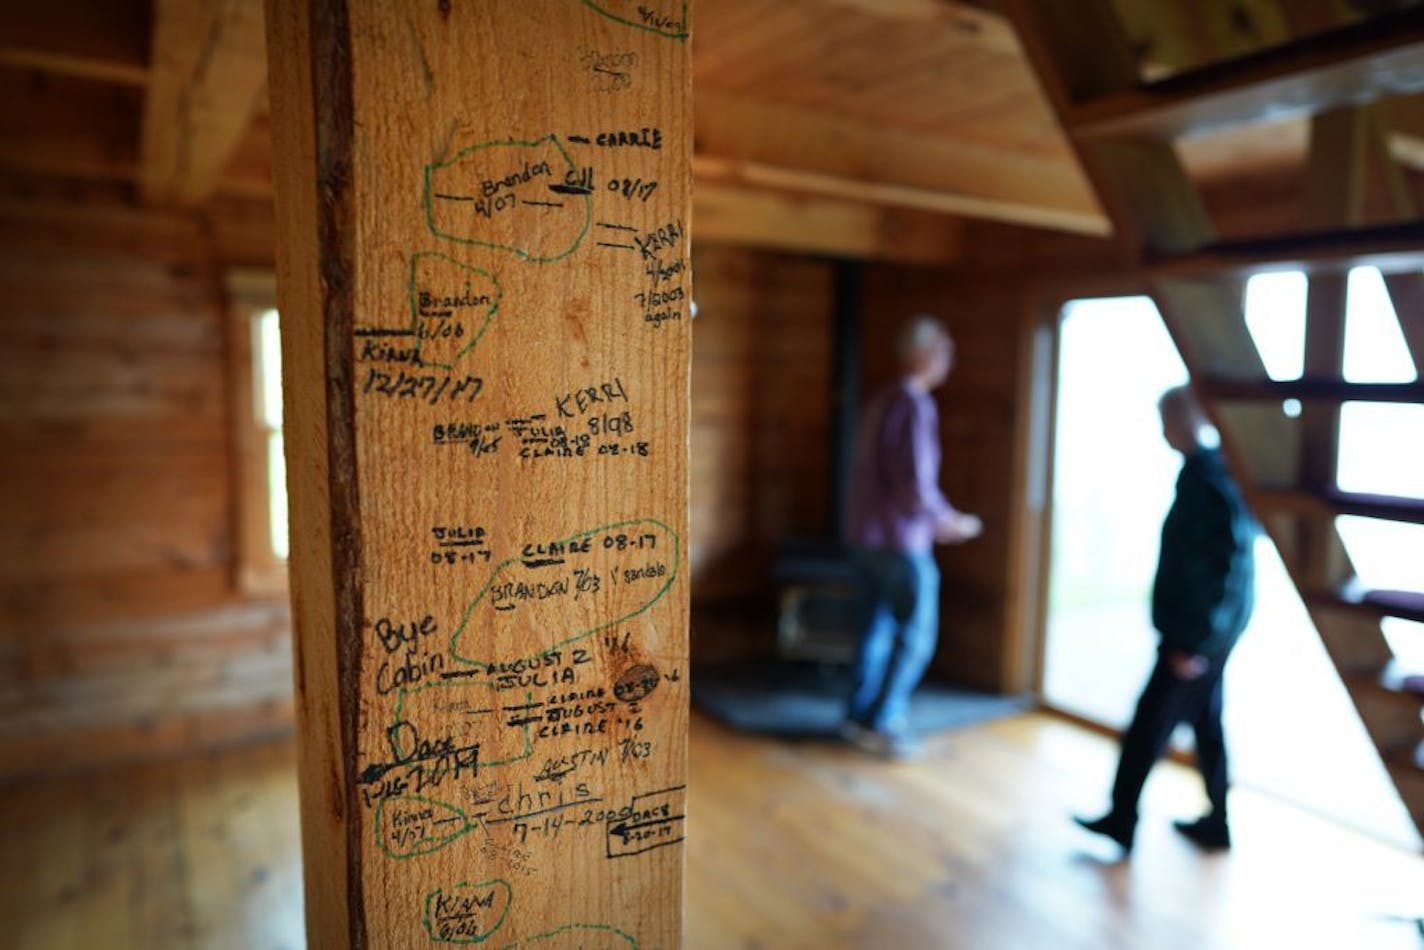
<point x="62" y="126"/>
<point x="1080" y="49"/>
<point x="1403" y="119"/>
<point x="1389" y="247"/>
<point x="1377" y="604"/>
<point x="1325" y="504"/>
<point x="1327" y="389"/>
<point x="1352" y="65"/>
<point x="80" y="67"/>
<point x="795" y="182"/>
<point x="1406" y="292"/>
<point x="1335" y="196"/>
<point x="1404" y="284"/>
<point x="484" y="287"/>
<point x="1173" y="35"/>
<point x="753" y="217"/>
<point x="207" y="72"/>
<point x="764" y="143"/>
<point x="105" y="40"/>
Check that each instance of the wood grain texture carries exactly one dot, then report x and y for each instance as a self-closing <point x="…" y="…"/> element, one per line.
<point x="761" y="393"/>
<point x="97" y="39"/>
<point x="968" y="848"/>
<point x="121" y="632"/>
<point x="207" y="70"/>
<point x="484" y="282"/>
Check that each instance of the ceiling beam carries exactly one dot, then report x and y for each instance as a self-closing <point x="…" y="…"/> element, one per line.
<point x="1403" y="119"/>
<point x="730" y="213"/>
<point x="985" y="28"/>
<point x="67" y="64"/>
<point x="65" y="127"/>
<point x="814" y="152"/>
<point x="208" y="68"/>
<point x="106" y="40"/>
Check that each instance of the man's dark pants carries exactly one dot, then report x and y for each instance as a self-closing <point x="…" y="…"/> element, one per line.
<point x="1166" y="702"/>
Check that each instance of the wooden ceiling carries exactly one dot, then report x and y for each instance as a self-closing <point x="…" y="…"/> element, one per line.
<point x="939" y="69"/>
<point x="885" y="112"/>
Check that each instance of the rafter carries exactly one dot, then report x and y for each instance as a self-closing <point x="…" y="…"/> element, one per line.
<point x="753" y="217"/>
<point x="104" y="40"/>
<point x="805" y="150"/>
<point x="209" y="65"/>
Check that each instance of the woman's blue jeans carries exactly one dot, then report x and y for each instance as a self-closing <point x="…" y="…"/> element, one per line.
<point x="900" y="638"/>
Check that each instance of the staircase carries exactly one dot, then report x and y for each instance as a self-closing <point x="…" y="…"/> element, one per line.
<point x="1123" y="129"/>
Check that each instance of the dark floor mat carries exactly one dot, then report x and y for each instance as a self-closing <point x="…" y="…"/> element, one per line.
<point x="806" y="701"/>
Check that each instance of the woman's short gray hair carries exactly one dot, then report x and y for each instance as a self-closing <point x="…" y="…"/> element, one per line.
<point x="919" y="333"/>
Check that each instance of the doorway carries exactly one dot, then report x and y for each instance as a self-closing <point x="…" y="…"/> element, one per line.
<point x="1291" y="726"/>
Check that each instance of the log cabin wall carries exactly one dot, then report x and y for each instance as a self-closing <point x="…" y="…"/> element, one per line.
<point x="123" y="632"/>
<point x="761" y="403"/>
<point x="760" y="430"/>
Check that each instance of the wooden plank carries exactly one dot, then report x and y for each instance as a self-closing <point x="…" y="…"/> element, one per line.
<point x="1317" y="504"/>
<point x="243" y="231"/>
<point x="67" y="126"/>
<point x="1352" y="65"/>
<point x="61" y="64"/>
<point x="1376" y="604"/>
<point x="1080" y="50"/>
<point x="104" y="40"/>
<point x="1324" y="389"/>
<point x="1336" y="169"/>
<point x="1405" y="286"/>
<point x="101" y="742"/>
<point x="120" y="595"/>
<point x="1403" y="118"/>
<point x="783" y="883"/>
<point x="1389" y="247"/>
<point x="807" y="150"/>
<point x="207" y="71"/>
<point x="212" y="637"/>
<point x="1152" y="200"/>
<point x="796" y="181"/>
<point x="530" y="277"/>
<point x="1335" y="195"/>
<point x="1406" y="292"/>
<point x="1174" y="36"/>
<point x="754" y="217"/>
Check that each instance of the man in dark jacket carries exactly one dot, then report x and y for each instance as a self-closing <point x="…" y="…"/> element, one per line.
<point x="1201" y="601"/>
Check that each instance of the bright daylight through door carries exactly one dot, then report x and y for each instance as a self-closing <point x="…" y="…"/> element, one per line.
<point x="1290" y="722"/>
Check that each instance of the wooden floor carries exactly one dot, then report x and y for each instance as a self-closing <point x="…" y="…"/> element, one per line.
<point x="790" y="846"/>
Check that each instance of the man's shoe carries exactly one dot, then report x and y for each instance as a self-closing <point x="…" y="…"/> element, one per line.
<point x="903" y="747"/>
<point x="1207" y="833"/>
<point x="864" y="738"/>
<point x="1110" y="826"/>
<point x="896" y="746"/>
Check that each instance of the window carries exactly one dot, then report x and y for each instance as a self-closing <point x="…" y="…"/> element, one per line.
<point x="260" y="474"/>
